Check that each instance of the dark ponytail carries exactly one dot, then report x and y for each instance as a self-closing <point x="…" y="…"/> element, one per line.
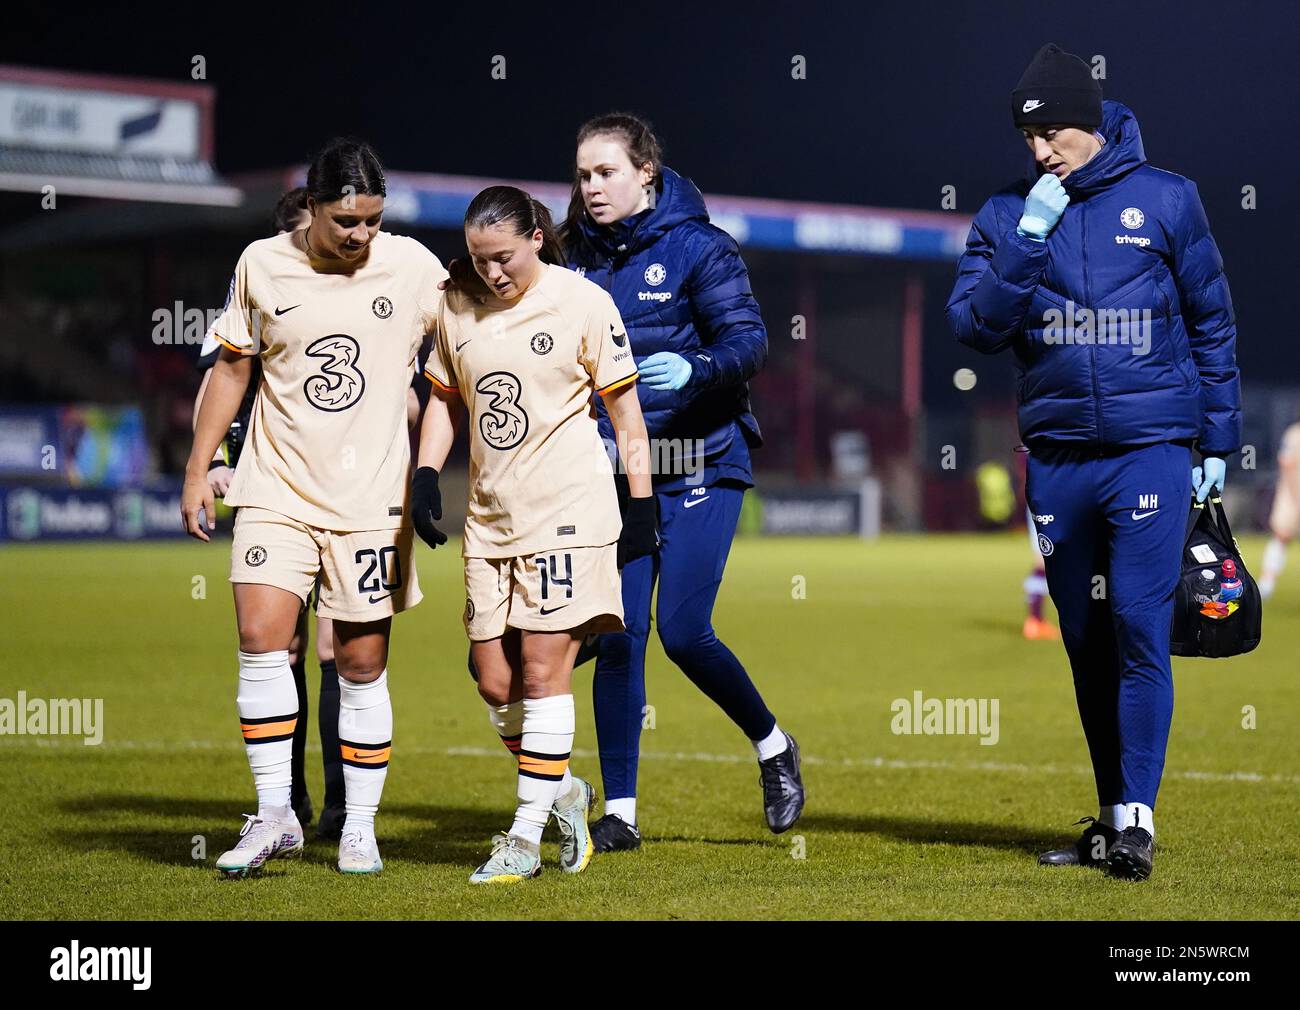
<point x="345" y="167"/>
<point x="289" y="209"/>
<point x="513" y="207"/>
<point x="642" y="146"/>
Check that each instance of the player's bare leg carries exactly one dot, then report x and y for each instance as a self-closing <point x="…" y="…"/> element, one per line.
<point x="268" y="715"/>
<point x="365" y="736"/>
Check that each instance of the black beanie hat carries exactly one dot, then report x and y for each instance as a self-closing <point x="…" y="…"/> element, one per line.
<point x="1057" y="87"/>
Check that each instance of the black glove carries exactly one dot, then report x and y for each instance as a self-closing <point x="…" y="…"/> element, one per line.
<point x="640" y="534"/>
<point x="623" y="491"/>
<point x="426" y="506"/>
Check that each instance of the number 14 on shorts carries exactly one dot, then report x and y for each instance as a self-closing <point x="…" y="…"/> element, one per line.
<point x="549" y="567"/>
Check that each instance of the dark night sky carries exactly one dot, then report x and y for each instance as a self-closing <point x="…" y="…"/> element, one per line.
<point x="901" y="98"/>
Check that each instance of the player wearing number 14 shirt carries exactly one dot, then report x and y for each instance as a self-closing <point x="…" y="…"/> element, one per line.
<point x="543" y="537"/>
<point x="337" y="313"/>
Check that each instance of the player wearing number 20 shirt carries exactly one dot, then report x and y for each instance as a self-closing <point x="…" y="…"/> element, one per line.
<point x="337" y="312"/>
<point x="324" y="473"/>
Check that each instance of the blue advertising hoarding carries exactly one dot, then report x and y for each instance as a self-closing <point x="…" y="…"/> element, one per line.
<point x="29" y="513"/>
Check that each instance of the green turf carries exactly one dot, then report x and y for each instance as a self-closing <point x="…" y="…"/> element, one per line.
<point x="896" y="826"/>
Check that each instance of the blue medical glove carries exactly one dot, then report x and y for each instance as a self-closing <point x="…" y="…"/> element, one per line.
<point x="665" y="370"/>
<point x="1215" y="472"/>
<point x="1043" y="208"/>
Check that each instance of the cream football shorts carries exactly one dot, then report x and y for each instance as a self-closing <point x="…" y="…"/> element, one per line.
<point x="364" y="576"/>
<point x="572" y="589"/>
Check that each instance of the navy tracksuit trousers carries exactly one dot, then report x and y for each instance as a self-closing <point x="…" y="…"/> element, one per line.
<point x="697" y="527"/>
<point x="1111" y="529"/>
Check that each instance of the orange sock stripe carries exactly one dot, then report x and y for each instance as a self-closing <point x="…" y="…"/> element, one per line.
<point x="512" y="742"/>
<point x="278" y="727"/>
<point x="362" y="755"/>
<point x="543" y="766"/>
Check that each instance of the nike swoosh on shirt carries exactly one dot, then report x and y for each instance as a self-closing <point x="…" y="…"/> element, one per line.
<point x="692" y="502"/>
<point x="460" y="345"/>
<point x="279" y="311"/>
<point x="1144" y="514"/>
<point x="376" y="599"/>
<point x="552" y="610"/>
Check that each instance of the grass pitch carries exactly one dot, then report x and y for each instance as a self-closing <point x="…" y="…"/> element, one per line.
<point x="897" y="826"/>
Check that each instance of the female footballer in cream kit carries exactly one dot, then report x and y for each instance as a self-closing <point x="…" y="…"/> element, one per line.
<point x="544" y="540"/>
<point x="337" y="313"/>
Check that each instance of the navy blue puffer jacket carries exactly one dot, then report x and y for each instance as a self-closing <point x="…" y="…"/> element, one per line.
<point x="680" y="285"/>
<point x="1155" y="358"/>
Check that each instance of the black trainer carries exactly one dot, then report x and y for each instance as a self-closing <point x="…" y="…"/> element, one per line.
<point x="330" y="826"/>
<point x="613" y="834"/>
<point x="1130" y="857"/>
<point x="1084" y="851"/>
<point x="783" y="792"/>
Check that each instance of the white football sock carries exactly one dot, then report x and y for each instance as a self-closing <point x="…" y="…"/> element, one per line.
<point x="508" y="721"/>
<point x="543" y="760"/>
<point x="1140" y="815"/>
<point x="366" y="744"/>
<point x="1114" y="816"/>
<point x="771" y="745"/>
<point x="268" y="714"/>
<point x="624" y="808"/>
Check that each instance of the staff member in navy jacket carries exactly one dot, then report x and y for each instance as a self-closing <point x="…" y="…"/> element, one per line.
<point x="1112" y="403"/>
<point x="641" y="231"/>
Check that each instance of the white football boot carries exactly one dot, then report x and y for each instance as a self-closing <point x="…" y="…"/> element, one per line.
<point x="358" y="851"/>
<point x="260" y="840"/>
<point x="576" y="846"/>
<point x="513" y="859"/>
